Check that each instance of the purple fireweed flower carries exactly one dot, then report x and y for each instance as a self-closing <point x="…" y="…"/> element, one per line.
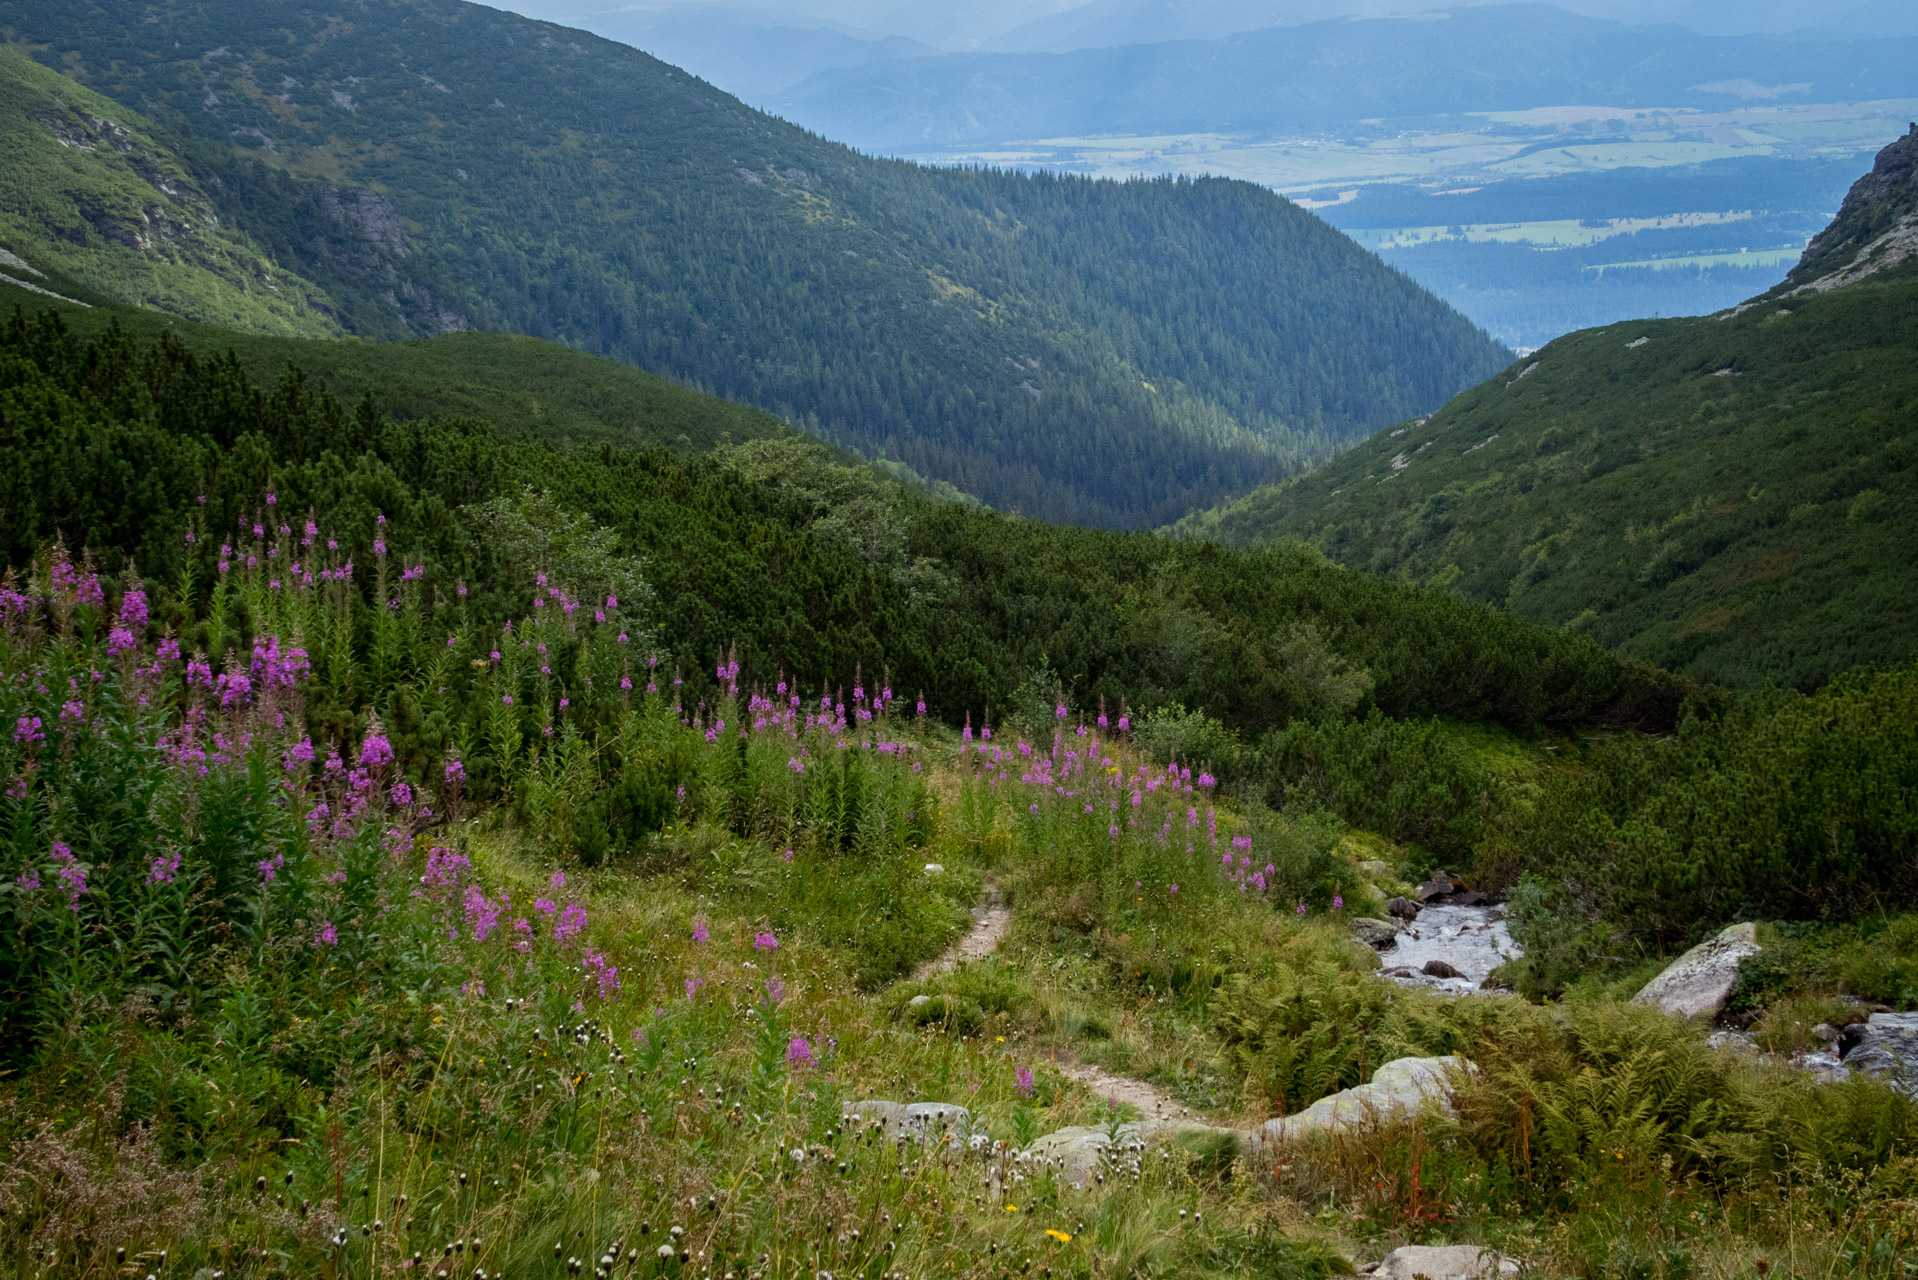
<point x="700" y="932"/>
<point x="270" y="868"/>
<point x="571" y="923"/>
<point x="1301" y="908"/>
<point x="375" y="751"/>
<point x="28" y="879"/>
<point x="1025" y="1084"/>
<point x="455" y="773"/>
<point x="72" y="876"/>
<point x="765" y="941"/>
<point x="164" y="869"/>
<point x="775" y="991"/>
<point x="328" y="936"/>
<point x="522" y="935"/>
<point x="481" y="914"/>
<point x="603" y="970"/>
<point x="401" y="795"/>
<point x="693" y="984"/>
<point x="27" y="729"/>
<point x="1338" y="902"/>
<point x="445" y="868"/>
<point x="799" y="1053"/>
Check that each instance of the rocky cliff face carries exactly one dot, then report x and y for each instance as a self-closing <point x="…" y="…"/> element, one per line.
<point x="1876" y="229"/>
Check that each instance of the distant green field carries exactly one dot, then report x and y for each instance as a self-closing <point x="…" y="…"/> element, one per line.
<point x="1743" y="258"/>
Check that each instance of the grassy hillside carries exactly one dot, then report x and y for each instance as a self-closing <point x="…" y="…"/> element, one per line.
<point x="1100" y="353"/>
<point x="523" y="386"/>
<point x="90" y="192"/>
<point x="1731" y="496"/>
<point x="428" y="850"/>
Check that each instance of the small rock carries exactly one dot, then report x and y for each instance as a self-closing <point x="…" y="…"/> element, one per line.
<point x="1437" y="887"/>
<point x="934" y="868"/>
<point x="1440" y="969"/>
<point x="919" y="1002"/>
<point x="1469" y="898"/>
<point x="1824" y="1032"/>
<point x="1374" y="933"/>
<point x="1373" y="867"/>
<point x="1698" y="983"/>
<point x="1445" y="1262"/>
<point x="1403" y="908"/>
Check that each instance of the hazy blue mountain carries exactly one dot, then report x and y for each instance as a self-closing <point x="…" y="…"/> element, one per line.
<point x="752" y="55"/>
<point x="1493" y="58"/>
<point x="1103" y="24"/>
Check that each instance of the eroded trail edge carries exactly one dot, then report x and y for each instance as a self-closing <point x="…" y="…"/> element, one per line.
<point x="990" y="921"/>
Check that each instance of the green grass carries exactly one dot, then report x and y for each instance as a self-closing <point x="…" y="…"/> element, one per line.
<point x="1731" y="498"/>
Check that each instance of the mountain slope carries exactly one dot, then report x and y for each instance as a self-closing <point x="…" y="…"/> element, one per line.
<point x="1098" y="353"/>
<point x="1735" y="496"/>
<point x="89" y="194"/>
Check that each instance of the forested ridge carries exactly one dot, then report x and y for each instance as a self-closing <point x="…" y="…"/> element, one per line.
<point x="1100" y="353"/>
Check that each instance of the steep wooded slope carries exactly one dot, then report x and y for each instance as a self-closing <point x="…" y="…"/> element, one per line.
<point x="1099" y="353"/>
<point x="1733" y="496"/>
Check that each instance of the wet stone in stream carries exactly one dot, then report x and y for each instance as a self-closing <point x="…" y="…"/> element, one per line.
<point x="1469" y="941"/>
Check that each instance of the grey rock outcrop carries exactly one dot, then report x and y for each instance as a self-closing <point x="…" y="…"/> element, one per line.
<point x="1697" y="984"/>
<point x="1373" y="932"/>
<point x="1885" y="1047"/>
<point x="1398" y="1090"/>
<point x="1077" y="1153"/>
<point x="1402" y="908"/>
<point x="915" y="1120"/>
<point x="1444" y="1262"/>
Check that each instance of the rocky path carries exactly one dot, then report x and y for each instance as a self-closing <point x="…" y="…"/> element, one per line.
<point x="990" y="921"/>
<point x="1152" y="1104"/>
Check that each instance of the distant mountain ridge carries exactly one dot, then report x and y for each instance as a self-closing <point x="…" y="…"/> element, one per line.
<point x="1097" y="353"/>
<point x="1469" y="59"/>
<point x="1734" y="497"/>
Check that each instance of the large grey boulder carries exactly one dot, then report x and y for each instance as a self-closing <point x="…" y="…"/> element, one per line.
<point x="1077" y="1153"/>
<point x="1885" y="1047"/>
<point x="1444" y="1262"/>
<point x="1377" y="934"/>
<point x="1697" y="984"/>
<point x="1398" y="1090"/>
<point x="915" y="1120"/>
